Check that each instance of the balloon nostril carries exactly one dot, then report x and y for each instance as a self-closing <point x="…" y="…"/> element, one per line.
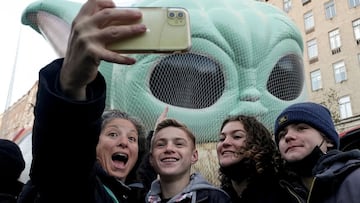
<point x="250" y="98"/>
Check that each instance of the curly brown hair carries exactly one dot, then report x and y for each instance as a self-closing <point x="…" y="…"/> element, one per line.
<point x="259" y="147"/>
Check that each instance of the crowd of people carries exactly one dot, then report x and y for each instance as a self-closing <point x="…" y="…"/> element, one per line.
<point x="83" y="152"/>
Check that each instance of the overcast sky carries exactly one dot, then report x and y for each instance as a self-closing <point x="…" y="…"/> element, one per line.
<point x="23" y="52"/>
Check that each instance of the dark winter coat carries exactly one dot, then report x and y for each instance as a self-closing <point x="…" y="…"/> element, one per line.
<point x="262" y="189"/>
<point x="10" y="190"/>
<point x="337" y="179"/>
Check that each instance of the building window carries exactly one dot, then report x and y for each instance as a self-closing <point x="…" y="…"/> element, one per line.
<point x="345" y="107"/>
<point x="335" y="42"/>
<point x="287" y="5"/>
<point x="356" y="28"/>
<point x="309" y="21"/>
<point x="305" y="1"/>
<point x="330" y="9"/>
<point x="353" y="3"/>
<point x="312" y="49"/>
<point x="339" y="71"/>
<point x="316" y="80"/>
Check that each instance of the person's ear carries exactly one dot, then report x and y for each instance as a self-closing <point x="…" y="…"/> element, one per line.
<point x="194" y="157"/>
<point x="151" y="160"/>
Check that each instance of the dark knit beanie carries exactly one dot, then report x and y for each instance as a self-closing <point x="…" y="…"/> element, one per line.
<point x="11" y="160"/>
<point x="315" y="115"/>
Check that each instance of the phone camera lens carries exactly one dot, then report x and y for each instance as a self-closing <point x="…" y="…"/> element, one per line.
<point x="171" y="14"/>
<point x="180" y="14"/>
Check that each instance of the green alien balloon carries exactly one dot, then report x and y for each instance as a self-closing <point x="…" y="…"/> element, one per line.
<point x="246" y="58"/>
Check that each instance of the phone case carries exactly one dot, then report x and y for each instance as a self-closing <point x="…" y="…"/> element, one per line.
<point x="168" y="31"/>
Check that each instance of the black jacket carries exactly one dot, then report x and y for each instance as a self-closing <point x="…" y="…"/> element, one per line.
<point x="337" y="179"/>
<point x="9" y="191"/>
<point x="262" y="189"/>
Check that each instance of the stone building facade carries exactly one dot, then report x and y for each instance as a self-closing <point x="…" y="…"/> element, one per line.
<point x="18" y="118"/>
<point x="331" y="35"/>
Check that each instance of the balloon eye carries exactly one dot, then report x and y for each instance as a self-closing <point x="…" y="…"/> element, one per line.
<point x="286" y="80"/>
<point x="187" y="80"/>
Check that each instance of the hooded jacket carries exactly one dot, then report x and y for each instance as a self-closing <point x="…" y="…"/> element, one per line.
<point x="198" y="190"/>
<point x="337" y="179"/>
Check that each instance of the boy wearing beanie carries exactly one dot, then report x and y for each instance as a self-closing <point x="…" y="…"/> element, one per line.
<point x="308" y="142"/>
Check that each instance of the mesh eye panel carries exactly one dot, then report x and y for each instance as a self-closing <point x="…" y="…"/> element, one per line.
<point x="287" y="78"/>
<point x="187" y="80"/>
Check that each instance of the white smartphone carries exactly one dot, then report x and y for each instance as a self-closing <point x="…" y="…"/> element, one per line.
<point x="168" y="31"/>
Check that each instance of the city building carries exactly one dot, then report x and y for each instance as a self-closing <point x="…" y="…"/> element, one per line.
<point x="331" y="35"/>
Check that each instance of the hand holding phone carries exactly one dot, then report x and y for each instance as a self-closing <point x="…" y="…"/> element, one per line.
<point x="168" y="31"/>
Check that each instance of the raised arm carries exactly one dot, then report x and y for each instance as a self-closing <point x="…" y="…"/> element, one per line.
<point x="96" y="25"/>
<point x="70" y="101"/>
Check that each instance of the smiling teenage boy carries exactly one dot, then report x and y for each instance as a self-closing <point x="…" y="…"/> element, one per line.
<point x="173" y="152"/>
<point x="309" y="143"/>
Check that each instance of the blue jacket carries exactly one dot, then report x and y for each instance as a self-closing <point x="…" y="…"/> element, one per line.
<point x="337" y="179"/>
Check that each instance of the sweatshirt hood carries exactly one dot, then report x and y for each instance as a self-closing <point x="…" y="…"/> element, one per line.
<point x="335" y="163"/>
<point x="197" y="182"/>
